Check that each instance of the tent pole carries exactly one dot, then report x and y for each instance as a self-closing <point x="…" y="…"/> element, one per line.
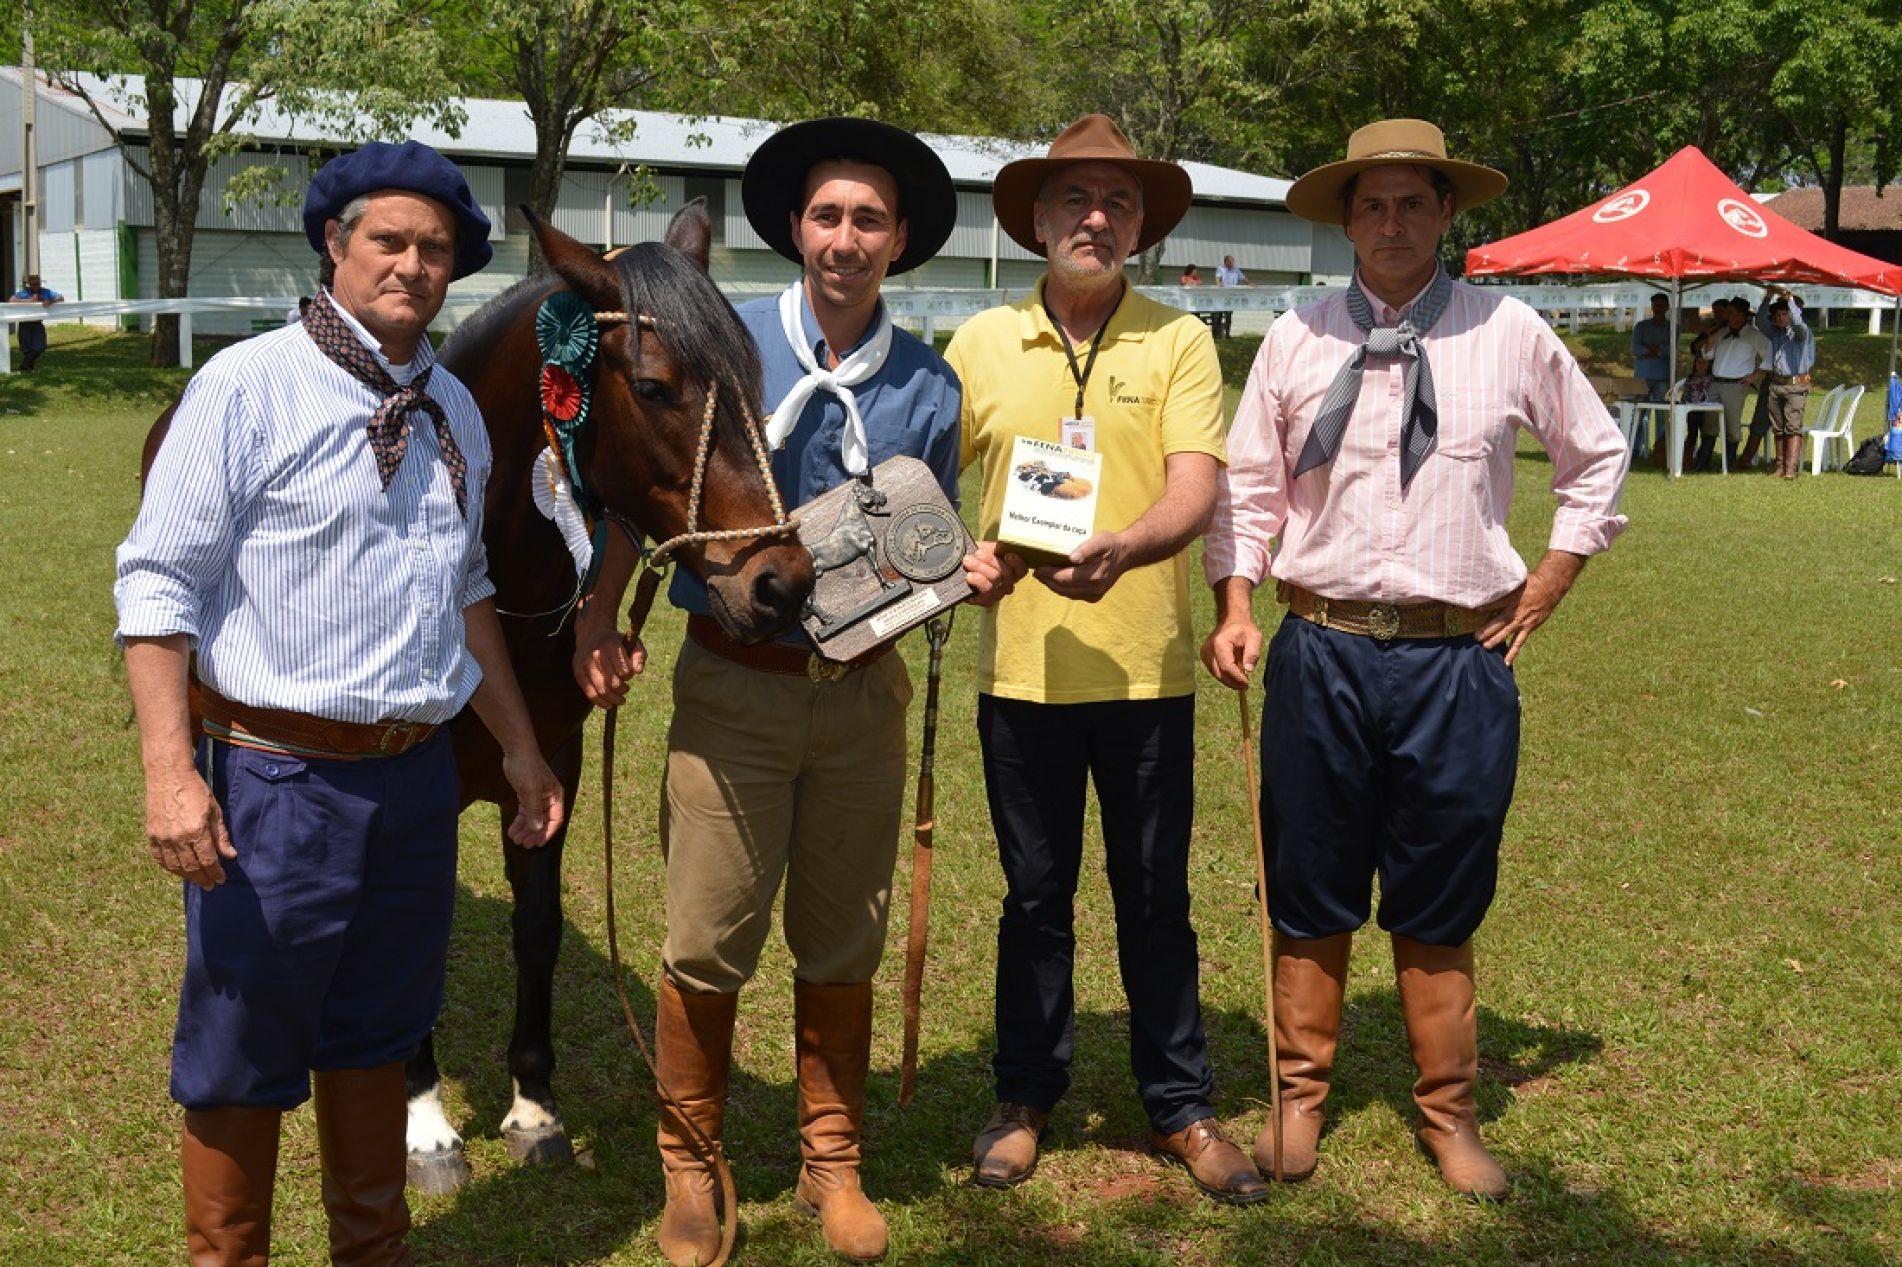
<point x="1895" y="334"/>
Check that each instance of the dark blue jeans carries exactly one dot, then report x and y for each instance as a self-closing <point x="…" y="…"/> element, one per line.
<point x="1393" y="759"/>
<point x="324" y="948"/>
<point x="1038" y="761"/>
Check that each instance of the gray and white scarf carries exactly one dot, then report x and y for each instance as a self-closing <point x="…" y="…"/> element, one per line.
<point x="1420" y="419"/>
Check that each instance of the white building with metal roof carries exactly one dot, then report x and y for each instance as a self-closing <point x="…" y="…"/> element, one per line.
<point x="96" y="237"/>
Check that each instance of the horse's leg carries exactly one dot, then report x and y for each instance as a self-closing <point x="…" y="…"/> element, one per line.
<point x="436" y="1166"/>
<point x="533" y="1129"/>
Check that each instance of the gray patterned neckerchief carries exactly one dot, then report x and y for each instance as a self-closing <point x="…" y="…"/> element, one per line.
<point x="1420" y="419"/>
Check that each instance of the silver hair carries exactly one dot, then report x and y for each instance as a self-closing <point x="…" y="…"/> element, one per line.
<point x="350" y="216"/>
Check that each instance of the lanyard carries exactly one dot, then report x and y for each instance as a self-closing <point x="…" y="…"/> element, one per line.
<point x="1082" y="375"/>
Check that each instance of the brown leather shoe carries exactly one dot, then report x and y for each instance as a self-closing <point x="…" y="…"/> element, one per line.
<point x="1437" y="999"/>
<point x="1310" y="980"/>
<point x="1005" y="1153"/>
<point x="361" y="1115"/>
<point x="1219" y="1168"/>
<point x="693" y="1048"/>
<point x="229" y="1161"/>
<point x="834" y="1024"/>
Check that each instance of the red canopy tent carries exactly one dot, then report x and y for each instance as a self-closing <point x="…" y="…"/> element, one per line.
<point x="1686" y="221"/>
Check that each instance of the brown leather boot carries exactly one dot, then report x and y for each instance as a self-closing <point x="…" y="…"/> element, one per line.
<point x="361" y="1114"/>
<point x="834" y="1025"/>
<point x="229" y="1161"/>
<point x="1219" y="1169"/>
<point x="1437" y="999"/>
<point x="1793" y="456"/>
<point x="1005" y="1153"/>
<point x="693" y="1046"/>
<point x="1310" y="979"/>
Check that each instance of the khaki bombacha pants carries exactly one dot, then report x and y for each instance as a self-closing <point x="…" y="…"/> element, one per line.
<point x="773" y="776"/>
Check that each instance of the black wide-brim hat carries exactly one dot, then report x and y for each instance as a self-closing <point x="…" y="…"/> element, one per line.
<point x="412" y="167"/>
<point x="774" y="182"/>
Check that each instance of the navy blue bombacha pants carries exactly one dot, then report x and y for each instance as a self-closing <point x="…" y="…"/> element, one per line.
<point x="1394" y="759"/>
<point x="1039" y="760"/>
<point x="324" y="948"/>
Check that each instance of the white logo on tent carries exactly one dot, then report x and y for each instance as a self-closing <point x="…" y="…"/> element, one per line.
<point x="1623" y="207"/>
<point x="1743" y="217"/>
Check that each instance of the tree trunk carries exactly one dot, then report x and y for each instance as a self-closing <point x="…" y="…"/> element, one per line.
<point x="544" y="174"/>
<point x="1833" y="175"/>
<point x="174" y="248"/>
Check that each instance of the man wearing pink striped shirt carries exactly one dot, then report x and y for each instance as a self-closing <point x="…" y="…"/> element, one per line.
<point x="1374" y="446"/>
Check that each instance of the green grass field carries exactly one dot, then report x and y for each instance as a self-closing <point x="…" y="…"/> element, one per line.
<point x="1690" y="1022"/>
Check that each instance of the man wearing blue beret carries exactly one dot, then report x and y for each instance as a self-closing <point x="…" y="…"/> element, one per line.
<point x="307" y="575"/>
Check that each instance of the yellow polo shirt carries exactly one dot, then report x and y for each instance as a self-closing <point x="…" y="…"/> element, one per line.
<point x="1156" y="390"/>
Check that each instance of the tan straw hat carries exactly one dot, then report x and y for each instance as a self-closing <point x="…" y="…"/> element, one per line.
<point x="1317" y="195"/>
<point x="1094" y="138"/>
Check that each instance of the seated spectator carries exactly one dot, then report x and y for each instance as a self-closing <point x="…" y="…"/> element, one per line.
<point x="1189" y="276"/>
<point x="1228" y="274"/>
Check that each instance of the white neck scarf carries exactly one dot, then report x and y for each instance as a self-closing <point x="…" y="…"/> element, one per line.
<point x="852" y="371"/>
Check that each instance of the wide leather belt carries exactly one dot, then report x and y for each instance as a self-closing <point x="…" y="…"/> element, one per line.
<point x="299" y="734"/>
<point x="1382" y="621"/>
<point x="775" y="657"/>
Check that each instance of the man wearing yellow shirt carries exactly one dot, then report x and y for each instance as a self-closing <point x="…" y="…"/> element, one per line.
<point x="1089" y="675"/>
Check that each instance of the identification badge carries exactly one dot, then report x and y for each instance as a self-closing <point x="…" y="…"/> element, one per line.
<point x="1077" y="433"/>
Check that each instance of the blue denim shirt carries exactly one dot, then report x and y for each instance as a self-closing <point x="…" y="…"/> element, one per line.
<point x="1792" y="351"/>
<point x="911" y="408"/>
<point x="1655" y="330"/>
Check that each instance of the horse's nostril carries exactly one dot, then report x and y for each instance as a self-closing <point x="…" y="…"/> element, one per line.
<point x="770" y="590"/>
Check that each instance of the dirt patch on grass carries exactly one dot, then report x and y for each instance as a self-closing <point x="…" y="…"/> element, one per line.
<point x="1879" y="1176"/>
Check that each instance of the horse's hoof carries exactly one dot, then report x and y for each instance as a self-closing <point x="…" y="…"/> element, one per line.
<point x="438" y="1173"/>
<point x="547" y="1146"/>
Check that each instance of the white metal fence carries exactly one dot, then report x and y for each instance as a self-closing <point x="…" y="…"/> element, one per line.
<point x="1621" y="303"/>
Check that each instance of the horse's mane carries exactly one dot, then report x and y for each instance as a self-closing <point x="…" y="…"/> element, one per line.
<point x="692" y="320"/>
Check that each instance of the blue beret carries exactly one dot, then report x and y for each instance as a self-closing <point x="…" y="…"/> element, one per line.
<point x="411" y="166"/>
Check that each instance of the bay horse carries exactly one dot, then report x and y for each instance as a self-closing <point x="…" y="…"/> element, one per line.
<point x="637" y="453"/>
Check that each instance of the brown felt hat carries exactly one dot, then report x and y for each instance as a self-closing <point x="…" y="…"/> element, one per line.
<point x="1317" y="195"/>
<point x="1094" y="138"/>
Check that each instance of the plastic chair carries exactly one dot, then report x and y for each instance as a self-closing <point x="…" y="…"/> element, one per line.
<point x="1836" y="432"/>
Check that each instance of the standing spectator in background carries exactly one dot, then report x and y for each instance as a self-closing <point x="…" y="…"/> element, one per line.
<point x="1651" y="349"/>
<point x="1228" y="274"/>
<point x="1738" y="352"/>
<point x="33" y="333"/>
<point x="1787" y="389"/>
<point x="1189" y="276"/>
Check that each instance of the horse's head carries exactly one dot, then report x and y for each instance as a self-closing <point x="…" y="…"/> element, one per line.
<point x="680" y="343"/>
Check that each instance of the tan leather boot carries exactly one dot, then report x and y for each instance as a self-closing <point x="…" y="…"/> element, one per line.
<point x="1005" y="1152"/>
<point x="1793" y="456"/>
<point x="1310" y="980"/>
<point x="229" y="1161"/>
<point x="361" y="1115"/>
<point x="834" y="1024"/>
<point x="693" y="1046"/>
<point x="1437" y="999"/>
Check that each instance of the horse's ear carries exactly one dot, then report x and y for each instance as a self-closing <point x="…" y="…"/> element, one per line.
<point x="691" y="232"/>
<point x="574" y="263"/>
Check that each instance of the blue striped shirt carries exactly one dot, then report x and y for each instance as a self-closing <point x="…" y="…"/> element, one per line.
<point x="267" y="538"/>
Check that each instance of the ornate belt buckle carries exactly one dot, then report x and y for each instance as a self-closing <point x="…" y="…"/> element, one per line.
<point x="393" y="737"/>
<point x="1383" y="621"/>
<point x="822" y="670"/>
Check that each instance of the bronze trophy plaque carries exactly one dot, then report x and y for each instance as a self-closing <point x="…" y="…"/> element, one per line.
<point x="886" y="551"/>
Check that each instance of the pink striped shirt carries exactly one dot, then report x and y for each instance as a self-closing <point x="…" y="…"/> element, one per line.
<point x="1346" y="530"/>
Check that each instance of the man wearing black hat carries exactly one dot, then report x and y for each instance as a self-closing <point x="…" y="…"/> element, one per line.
<point x="782" y="766"/>
<point x="307" y="575"/>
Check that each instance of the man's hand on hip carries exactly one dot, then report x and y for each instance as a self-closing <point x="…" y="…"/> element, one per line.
<point x="1532" y="604"/>
<point x="184" y="828"/>
<point x="539" y="811"/>
<point x="1093" y="568"/>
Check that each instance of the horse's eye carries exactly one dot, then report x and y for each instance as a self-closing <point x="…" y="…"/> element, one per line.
<point x="653" y="391"/>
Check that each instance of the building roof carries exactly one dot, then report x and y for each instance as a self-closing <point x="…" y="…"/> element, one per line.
<point x="1863" y="209"/>
<point x="500" y="129"/>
